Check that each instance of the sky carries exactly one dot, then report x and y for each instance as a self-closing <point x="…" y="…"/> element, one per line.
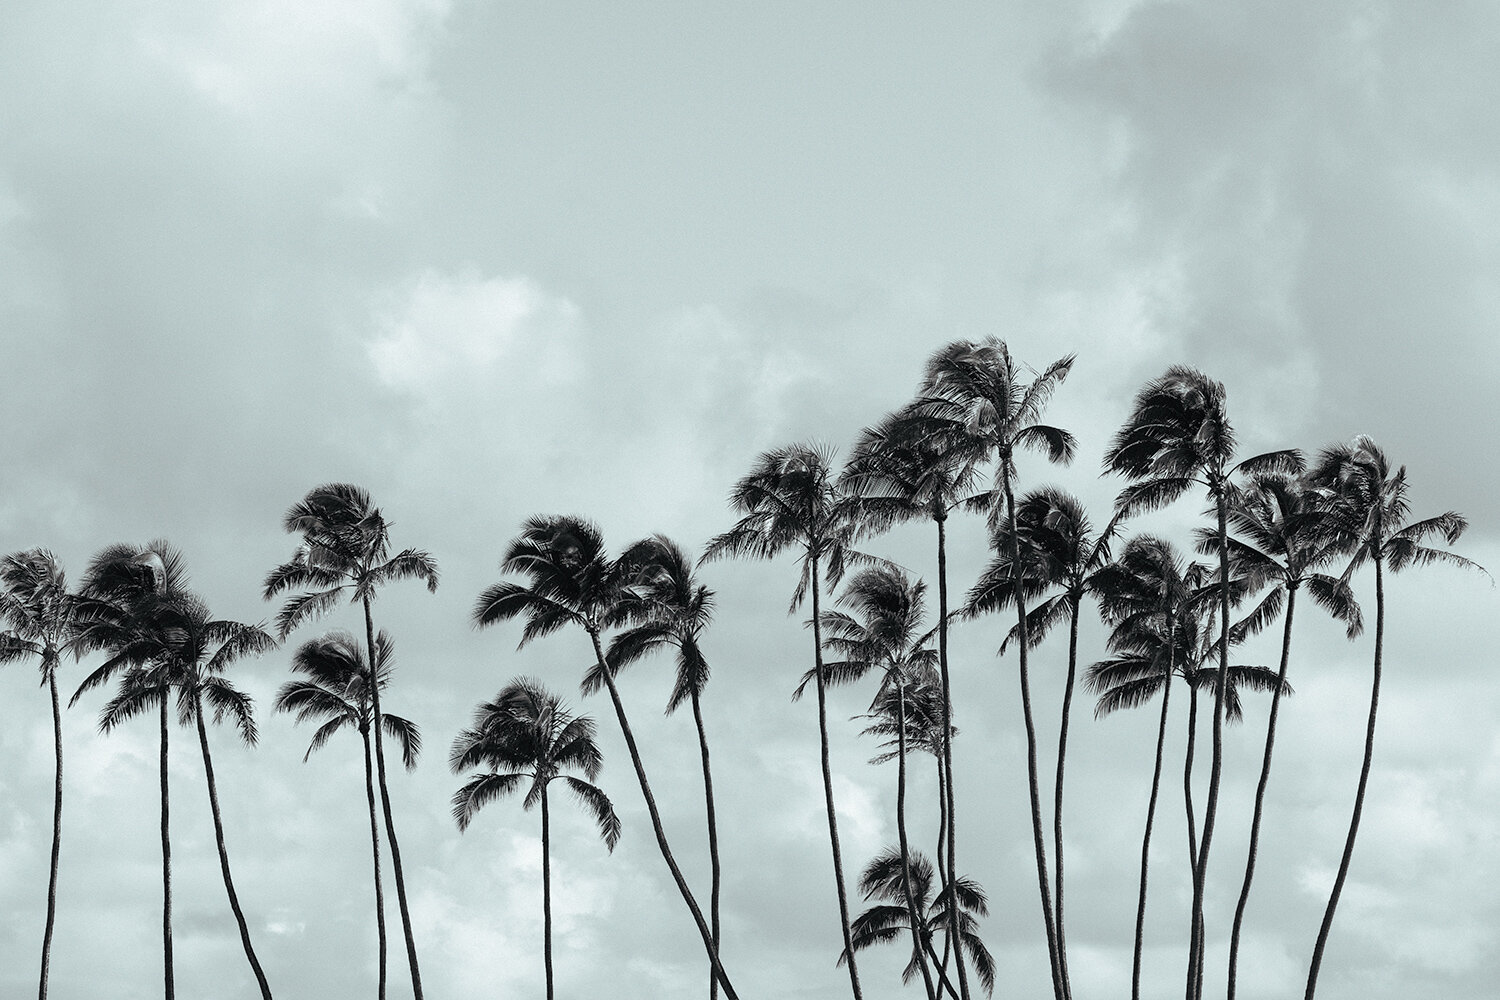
<point x="493" y="260"/>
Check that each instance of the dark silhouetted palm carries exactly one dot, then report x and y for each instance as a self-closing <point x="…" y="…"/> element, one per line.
<point x="1369" y="512"/>
<point x="337" y="692"/>
<point x="345" y="549"/>
<point x="671" y="608"/>
<point x="791" y="501"/>
<point x="162" y="641"/>
<point x="981" y="388"/>
<point x="574" y="582"/>
<point x="1176" y="436"/>
<point x="525" y="739"/>
<point x="40" y="618"/>
<point x="1283" y="536"/>
<point x="890" y="878"/>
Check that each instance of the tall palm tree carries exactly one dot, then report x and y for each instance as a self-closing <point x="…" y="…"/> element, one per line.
<point x="574" y="582"/>
<point x="163" y="640"/>
<point x="1178" y="436"/>
<point x="345" y="548"/>
<point x="1369" y="511"/>
<point x="671" y="608"/>
<point x="526" y="738"/>
<point x="910" y="467"/>
<point x="891" y="877"/>
<point x="885" y="633"/>
<point x="1283" y="536"/>
<point x="981" y="387"/>
<point x="792" y="500"/>
<point x="337" y="691"/>
<point x="40" y="617"/>
<point x="1055" y="535"/>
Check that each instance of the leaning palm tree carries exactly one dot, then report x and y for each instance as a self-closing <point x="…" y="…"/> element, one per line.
<point x="572" y="581"/>
<point x="40" y="616"/>
<point x="981" y="388"/>
<point x="526" y="738"/>
<point x="1369" y="512"/>
<point x="1282" y="538"/>
<point x="1065" y="557"/>
<point x="1176" y="436"/>
<point x="337" y="691"/>
<point x="911" y="467"/>
<point x="894" y="877"/>
<point x="163" y="641"/>
<point x="671" y="608"/>
<point x="345" y="548"/>
<point x="792" y="500"/>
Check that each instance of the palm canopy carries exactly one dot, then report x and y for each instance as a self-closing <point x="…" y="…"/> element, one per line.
<point x="886" y="631"/>
<point x="572" y="580"/>
<point x="669" y="607"/>
<point x="38" y="612"/>
<point x="345" y="547"/>
<point x="923" y="707"/>
<point x="527" y="734"/>
<point x="885" y="878"/>
<point x="336" y="690"/>
<point x="912" y="465"/>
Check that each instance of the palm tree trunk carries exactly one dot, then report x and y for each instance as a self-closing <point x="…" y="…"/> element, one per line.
<point x="57" y="805"/>
<point x="1057" y="805"/>
<point x="1260" y="790"/>
<point x="911" y="899"/>
<point x="375" y="851"/>
<point x="1210" y="809"/>
<point x="713" y="840"/>
<point x="661" y="835"/>
<point x="946" y="738"/>
<point x="1161" y="742"/>
<point x="547" y="891"/>
<point x="234" y="900"/>
<point x="1187" y="777"/>
<point x="1359" y="793"/>
<point x="385" y="802"/>
<point x="166" y="859"/>
<point x="833" y="823"/>
<point x="942" y="965"/>
<point x="942" y="976"/>
<point x="1033" y="785"/>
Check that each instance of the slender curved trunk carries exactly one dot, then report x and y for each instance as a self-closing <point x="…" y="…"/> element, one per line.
<point x="942" y="965"/>
<point x="57" y="804"/>
<point x="166" y="860"/>
<point x="1057" y="804"/>
<point x="1359" y="792"/>
<point x="1187" y="777"/>
<point x="911" y="899"/>
<point x="661" y="836"/>
<point x="946" y="736"/>
<point x="385" y="802"/>
<point x="1210" y="809"/>
<point x="943" y="983"/>
<point x="1161" y="742"/>
<point x="1033" y="785"/>
<point x="713" y="842"/>
<point x="364" y="731"/>
<point x="1260" y="791"/>
<point x="833" y="823"/>
<point x="547" y="891"/>
<point x="234" y="899"/>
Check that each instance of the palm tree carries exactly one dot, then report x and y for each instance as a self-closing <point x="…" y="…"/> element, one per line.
<point x="527" y="738"/>
<point x="1369" y="512"/>
<point x="1053" y="531"/>
<point x="337" y="691"/>
<point x="163" y="640"/>
<point x="981" y="388"/>
<point x="909" y="467"/>
<point x="891" y="877"/>
<point x="573" y="581"/>
<point x="885" y="634"/>
<point x="1176" y="436"/>
<point x="346" y="548"/>
<point x="41" y="619"/>
<point x="1284" y="537"/>
<point x="671" y="608"/>
<point x="791" y="500"/>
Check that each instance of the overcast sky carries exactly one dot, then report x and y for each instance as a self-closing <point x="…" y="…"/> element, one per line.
<point x="491" y="260"/>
